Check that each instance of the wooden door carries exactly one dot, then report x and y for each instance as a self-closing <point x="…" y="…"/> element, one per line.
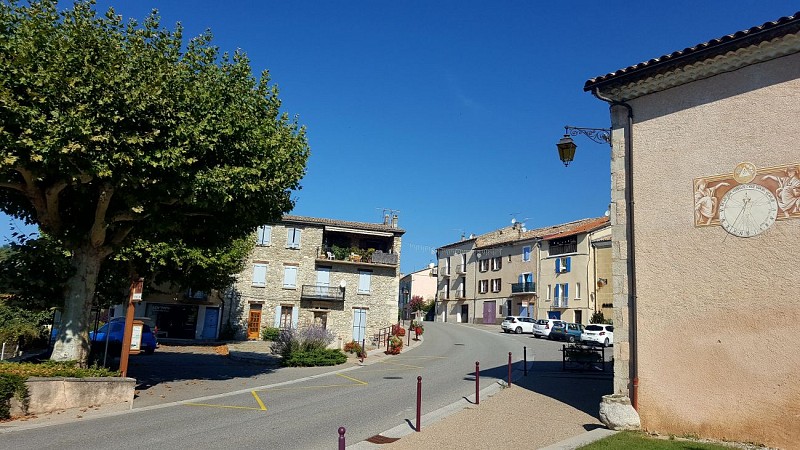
<point x="254" y="323"/>
<point x="489" y="316"/>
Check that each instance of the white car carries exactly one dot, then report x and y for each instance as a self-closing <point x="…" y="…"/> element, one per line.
<point x="542" y="327"/>
<point x="517" y="324"/>
<point x="598" y="333"/>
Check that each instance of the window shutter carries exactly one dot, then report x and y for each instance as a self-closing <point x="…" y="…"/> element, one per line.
<point x="364" y="282"/>
<point x="556" y="293"/>
<point x="260" y="238"/>
<point x="295" y="312"/>
<point x="289" y="237"/>
<point x="529" y="278"/>
<point x="259" y="275"/>
<point x="569" y="261"/>
<point x="521" y="280"/>
<point x="290" y="276"/>
<point x="277" y="321"/>
<point x="297" y="235"/>
<point x="566" y="290"/>
<point x="267" y="235"/>
<point x="558" y="265"/>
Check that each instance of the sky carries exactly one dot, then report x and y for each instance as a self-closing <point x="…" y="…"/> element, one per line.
<point x="447" y="112"/>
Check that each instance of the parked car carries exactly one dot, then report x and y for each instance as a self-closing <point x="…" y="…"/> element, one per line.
<point x="117" y="325"/>
<point x="542" y="327"/>
<point x="517" y="324"/>
<point x="598" y="333"/>
<point x="565" y="331"/>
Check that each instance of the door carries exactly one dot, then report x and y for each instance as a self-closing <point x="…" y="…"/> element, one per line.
<point x="254" y="322"/>
<point x="578" y="316"/>
<point x="359" y="324"/>
<point x="323" y="280"/>
<point x="464" y="313"/>
<point x="210" y="323"/>
<point x="489" y="316"/>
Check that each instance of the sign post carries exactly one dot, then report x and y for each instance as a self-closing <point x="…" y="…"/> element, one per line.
<point x="127" y="342"/>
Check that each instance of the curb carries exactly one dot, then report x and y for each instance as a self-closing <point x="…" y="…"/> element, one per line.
<point x="582" y="439"/>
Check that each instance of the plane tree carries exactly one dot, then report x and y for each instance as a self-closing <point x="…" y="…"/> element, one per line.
<point x="122" y="143"/>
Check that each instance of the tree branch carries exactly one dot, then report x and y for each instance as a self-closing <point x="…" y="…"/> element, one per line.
<point x="14" y="186"/>
<point x="127" y="217"/>
<point x="97" y="235"/>
<point x="51" y="196"/>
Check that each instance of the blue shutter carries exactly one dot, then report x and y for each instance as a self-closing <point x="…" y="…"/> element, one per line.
<point x="521" y="280"/>
<point x="566" y="290"/>
<point x="569" y="263"/>
<point x="529" y="278"/>
<point x="277" y="321"/>
<point x="558" y="265"/>
<point x="556" y="293"/>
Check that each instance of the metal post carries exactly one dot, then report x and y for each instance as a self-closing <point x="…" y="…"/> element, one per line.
<point x="3" y="352"/>
<point x="341" y="438"/>
<point x="363" y="349"/>
<point x="477" y="383"/>
<point x="419" y="402"/>
<point x="509" y="369"/>
<point x="409" y="335"/>
<point x="525" y="359"/>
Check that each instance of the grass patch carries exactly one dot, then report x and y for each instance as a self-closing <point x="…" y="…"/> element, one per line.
<point x="634" y="440"/>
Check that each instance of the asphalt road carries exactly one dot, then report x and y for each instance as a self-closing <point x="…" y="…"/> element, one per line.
<point x="305" y="413"/>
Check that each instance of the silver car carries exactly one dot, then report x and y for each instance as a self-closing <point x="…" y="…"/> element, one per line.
<point x="542" y="327"/>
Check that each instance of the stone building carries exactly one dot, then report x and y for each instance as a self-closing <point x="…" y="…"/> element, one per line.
<point x="706" y="224"/>
<point x="341" y="275"/>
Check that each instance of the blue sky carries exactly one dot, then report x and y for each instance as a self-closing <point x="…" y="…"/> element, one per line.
<point x="449" y="111"/>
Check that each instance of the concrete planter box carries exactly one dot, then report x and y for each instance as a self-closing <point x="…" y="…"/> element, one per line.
<point x="55" y="394"/>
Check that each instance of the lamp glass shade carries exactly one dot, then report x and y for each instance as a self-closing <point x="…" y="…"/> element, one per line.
<point x="566" y="149"/>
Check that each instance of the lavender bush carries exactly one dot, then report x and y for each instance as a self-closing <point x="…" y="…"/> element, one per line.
<point x="292" y="340"/>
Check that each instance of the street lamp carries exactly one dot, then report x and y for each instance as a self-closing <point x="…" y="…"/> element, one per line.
<point x="566" y="146"/>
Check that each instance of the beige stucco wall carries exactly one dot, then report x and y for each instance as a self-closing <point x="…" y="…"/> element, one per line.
<point x="717" y="314"/>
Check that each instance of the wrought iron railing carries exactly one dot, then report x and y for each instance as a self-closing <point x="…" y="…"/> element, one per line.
<point x="314" y="292"/>
<point x="377" y="257"/>
<point x="523" y="288"/>
<point x="561" y="302"/>
<point x="461" y="268"/>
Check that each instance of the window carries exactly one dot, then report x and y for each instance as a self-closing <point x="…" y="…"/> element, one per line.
<point x="562" y="295"/>
<point x="483" y="286"/>
<point x="293" y="237"/>
<point x="447" y="266"/>
<point x="564" y="245"/>
<point x="483" y="265"/>
<point x="290" y="277"/>
<point x="461" y="282"/>
<point x="364" y="281"/>
<point x="577" y="291"/>
<point x="447" y="290"/>
<point x="496" y="285"/>
<point x="563" y="264"/>
<point x="260" y="274"/>
<point x="264" y="235"/>
<point x="549" y="291"/>
<point x="526" y="253"/>
<point x="286" y="317"/>
<point x="497" y="263"/>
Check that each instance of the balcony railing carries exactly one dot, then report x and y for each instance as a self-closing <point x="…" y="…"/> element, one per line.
<point x="445" y="271"/>
<point x="523" y="288"/>
<point x="444" y="295"/>
<point x="561" y="302"/>
<point x="376" y="257"/>
<point x="461" y="268"/>
<point x="326" y="293"/>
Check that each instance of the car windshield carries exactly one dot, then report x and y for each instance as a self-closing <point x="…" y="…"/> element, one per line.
<point x="509" y="319"/>
<point x="594" y="328"/>
<point x="541" y="322"/>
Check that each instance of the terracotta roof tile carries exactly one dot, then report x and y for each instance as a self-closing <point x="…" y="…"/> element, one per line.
<point x="342" y="223"/>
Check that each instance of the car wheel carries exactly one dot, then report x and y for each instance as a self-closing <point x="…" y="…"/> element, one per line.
<point x="518" y="330"/>
<point x="572" y="339"/>
<point x="605" y="343"/>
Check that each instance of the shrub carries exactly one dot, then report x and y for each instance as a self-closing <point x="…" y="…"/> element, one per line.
<point x="315" y="357"/>
<point x="296" y="340"/>
<point x="11" y="386"/>
<point x="395" y="345"/>
<point x="397" y="330"/>
<point x="270" y="333"/>
<point x="353" y="347"/>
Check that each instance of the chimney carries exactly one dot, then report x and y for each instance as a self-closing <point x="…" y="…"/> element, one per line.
<point x="394" y="221"/>
<point x="386" y="219"/>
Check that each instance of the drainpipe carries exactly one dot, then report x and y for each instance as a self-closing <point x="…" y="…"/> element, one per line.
<point x="629" y="229"/>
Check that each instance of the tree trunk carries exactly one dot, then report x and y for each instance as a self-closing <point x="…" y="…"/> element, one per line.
<point x="72" y="340"/>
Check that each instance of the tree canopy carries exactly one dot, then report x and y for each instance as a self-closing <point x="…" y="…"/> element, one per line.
<point x="120" y="142"/>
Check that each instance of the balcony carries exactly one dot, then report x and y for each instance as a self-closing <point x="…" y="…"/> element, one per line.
<point x="444" y="295"/>
<point x="357" y="255"/>
<point x="324" y="293"/>
<point x="461" y="269"/>
<point x="461" y="295"/>
<point x="445" y="271"/>
<point x="523" y="288"/>
<point x="561" y="302"/>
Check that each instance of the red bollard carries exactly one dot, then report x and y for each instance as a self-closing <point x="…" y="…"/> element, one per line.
<point x="419" y="402"/>
<point x="409" y="336"/>
<point x="509" y="369"/>
<point x="341" y="438"/>
<point x="477" y="383"/>
<point x="525" y="359"/>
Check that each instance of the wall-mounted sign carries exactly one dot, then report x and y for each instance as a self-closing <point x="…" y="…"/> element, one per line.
<point x="749" y="200"/>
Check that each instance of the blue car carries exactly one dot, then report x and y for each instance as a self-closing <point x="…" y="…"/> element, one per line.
<point x="149" y="342"/>
<point x="563" y="331"/>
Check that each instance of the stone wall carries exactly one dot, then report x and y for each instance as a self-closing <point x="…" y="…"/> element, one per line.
<point x="54" y="394"/>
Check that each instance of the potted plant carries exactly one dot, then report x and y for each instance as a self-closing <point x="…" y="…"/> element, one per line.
<point x="395" y="345"/>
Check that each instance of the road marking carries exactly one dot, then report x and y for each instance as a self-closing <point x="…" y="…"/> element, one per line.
<point x="260" y="403"/>
<point x="324" y="386"/>
<point x="225" y="406"/>
<point x="363" y="383"/>
<point x="401" y="365"/>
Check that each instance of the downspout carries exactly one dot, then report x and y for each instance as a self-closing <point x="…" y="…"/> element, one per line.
<point x="632" y="300"/>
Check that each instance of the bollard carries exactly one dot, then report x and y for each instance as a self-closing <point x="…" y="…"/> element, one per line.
<point x="341" y="438"/>
<point x="525" y="359"/>
<point x="509" y="369"/>
<point x="419" y="402"/>
<point x="477" y="383"/>
<point x="387" y="344"/>
<point x="409" y="335"/>
<point x="363" y="349"/>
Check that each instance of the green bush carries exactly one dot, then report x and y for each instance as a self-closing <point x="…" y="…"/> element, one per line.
<point x="11" y="386"/>
<point x="314" y="357"/>
<point x="270" y="333"/>
<point x="53" y="369"/>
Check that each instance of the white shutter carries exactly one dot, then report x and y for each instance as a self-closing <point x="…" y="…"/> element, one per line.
<point x="364" y="278"/>
<point x="289" y="276"/>
<point x="293" y="237"/>
<point x="264" y="235"/>
<point x="295" y="311"/>
<point x="259" y="275"/>
<point x="277" y="321"/>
